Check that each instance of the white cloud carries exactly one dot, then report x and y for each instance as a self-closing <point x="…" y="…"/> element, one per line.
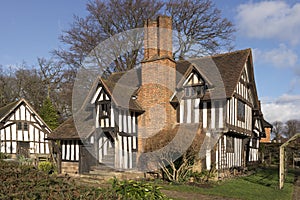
<point x="284" y="108"/>
<point x="270" y="20"/>
<point x="282" y="56"/>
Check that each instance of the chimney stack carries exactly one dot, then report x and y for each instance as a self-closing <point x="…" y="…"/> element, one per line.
<point x="158" y="79"/>
<point x="158" y="38"/>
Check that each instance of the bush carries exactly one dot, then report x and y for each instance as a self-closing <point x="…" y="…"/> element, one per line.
<point x="26" y="182"/>
<point x="203" y="176"/>
<point x="136" y="190"/>
<point x="24" y="160"/>
<point x="46" y="167"/>
<point x="3" y="156"/>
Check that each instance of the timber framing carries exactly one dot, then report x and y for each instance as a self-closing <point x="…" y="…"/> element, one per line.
<point x="23" y="132"/>
<point x="223" y="103"/>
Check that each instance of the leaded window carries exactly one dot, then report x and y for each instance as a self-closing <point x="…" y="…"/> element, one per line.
<point x="241" y="110"/>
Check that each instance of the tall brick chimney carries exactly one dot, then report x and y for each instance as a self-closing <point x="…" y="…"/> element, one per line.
<point x="158" y="38"/>
<point x="157" y="79"/>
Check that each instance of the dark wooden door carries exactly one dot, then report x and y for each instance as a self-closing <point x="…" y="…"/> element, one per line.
<point x="87" y="158"/>
<point x="23" y="149"/>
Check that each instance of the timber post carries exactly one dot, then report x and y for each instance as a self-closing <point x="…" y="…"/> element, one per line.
<point x="282" y="160"/>
<point x="281" y="167"/>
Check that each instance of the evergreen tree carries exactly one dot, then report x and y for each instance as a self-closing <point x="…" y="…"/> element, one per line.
<point x="49" y="114"/>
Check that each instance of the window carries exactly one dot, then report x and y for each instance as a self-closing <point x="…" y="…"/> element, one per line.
<point x="25" y="126"/>
<point x="19" y="125"/>
<point x="22" y="126"/>
<point x="229" y="144"/>
<point x="194" y="91"/>
<point x="104" y="111"/>
<point x="241" y="111"/>
<point x="189" y="91"/>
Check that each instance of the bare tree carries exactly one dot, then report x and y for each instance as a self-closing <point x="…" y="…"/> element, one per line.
<point x="290" y="128"/>
<point x="50" y="73"/>
<point x="59" y="83"/>
<point x="200" y="26"/>
<point x="277" y="130"/>
<point x="21" y="82"/>
<point x="201" y="29"/>
<point x="105" y="19"/>
<point x="9" y="86"/>
<point x="30" y="86"/>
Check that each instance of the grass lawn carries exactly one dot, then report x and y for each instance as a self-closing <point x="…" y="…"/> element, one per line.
<point x="262" y="185"/>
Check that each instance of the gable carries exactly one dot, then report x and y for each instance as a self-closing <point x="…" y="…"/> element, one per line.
<point x="194" y="78"/>
<point x="100" y="94"/>
<point x="243" y="88"/>
<point x="22" y="111"/>
<point x="223" y="71"/>
<point x="118" y="92"/>
<point x="20" y="124"/>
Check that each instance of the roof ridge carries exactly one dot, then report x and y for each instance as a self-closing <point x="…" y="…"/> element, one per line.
<point x="214" y="56"/>
<point x="231" y="52"/>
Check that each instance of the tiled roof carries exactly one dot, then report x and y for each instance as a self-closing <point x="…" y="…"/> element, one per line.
<point x="66" y="131"/>
<point x="7" y="109"/>
<point x="223" y="70"/>
<point x="122" y="87"/>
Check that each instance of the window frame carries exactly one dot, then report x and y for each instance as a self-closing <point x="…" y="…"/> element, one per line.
<point x="194" y="91"/>
<point x="229" y="144"/>
<point x="25" y="126"/>
<point x="104" y="109"/>
<point x="19" y="126"/>
<point x="241" y="110"/>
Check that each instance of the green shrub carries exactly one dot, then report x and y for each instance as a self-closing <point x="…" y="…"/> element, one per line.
<point x="3" y="156"/>
<point x="46" y="167"/>
<point x="130" y="189"/>
<point x="24" y="160"/>
<point x="203" y="176"/>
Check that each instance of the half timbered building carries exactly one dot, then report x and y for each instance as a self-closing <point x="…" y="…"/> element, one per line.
<point x="215" y="97"/>
<point x="22" y="131"/>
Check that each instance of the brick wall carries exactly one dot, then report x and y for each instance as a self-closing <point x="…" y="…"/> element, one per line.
<point x="69" y="167"/>
<point x="158" y="79"/>
<point x="268" y="136"/>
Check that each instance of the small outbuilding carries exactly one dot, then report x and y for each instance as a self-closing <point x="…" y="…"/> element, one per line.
<point x="23" y="131"/>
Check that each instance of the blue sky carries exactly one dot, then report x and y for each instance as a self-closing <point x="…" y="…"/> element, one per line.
<point x="30" y="29"/>
<point x="271" y="29"/>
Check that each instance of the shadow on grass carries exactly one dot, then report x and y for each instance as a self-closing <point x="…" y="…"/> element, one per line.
<point x="269" y="177"/>
<point x="261" y="185"/>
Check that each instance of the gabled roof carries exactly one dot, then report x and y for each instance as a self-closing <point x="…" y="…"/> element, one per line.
<point x="9" y="108"/>
<point x="122" y="87"/>
<point x="66" y="131"/>
<point x="4" y="111"/>
<point x="223" y="70"/>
